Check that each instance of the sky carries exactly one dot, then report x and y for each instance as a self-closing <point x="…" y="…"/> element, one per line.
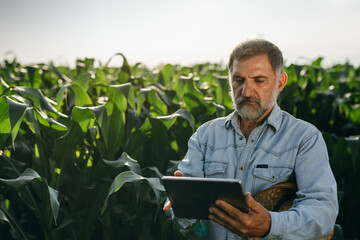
<point x="176" y="31"/>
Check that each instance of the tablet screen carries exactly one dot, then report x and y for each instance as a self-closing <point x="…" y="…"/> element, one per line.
<point x="192" y="197"/>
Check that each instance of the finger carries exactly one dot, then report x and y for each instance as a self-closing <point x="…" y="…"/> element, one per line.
<point x="167" y="206"/>
<point x="223" y="223"/>
<point x="178" y="173"/>
<point x="230" y="209"/>
<point x="219" y="216"/>
<point x="224" y="219"/>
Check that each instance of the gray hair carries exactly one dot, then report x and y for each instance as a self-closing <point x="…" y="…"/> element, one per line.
<point x="255" y="47"/>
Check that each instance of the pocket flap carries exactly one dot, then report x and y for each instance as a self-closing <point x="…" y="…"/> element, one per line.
<point x="273" y="173"/>
<point x="212" y="168"/>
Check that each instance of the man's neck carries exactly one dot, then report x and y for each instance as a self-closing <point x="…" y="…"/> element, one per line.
<point x="247" y="126"/>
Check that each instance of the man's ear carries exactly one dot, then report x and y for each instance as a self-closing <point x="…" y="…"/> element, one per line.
<point x="282" y="81"/>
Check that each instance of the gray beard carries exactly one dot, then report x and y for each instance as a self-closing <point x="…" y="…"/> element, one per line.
<point x="251" y="113"/>
<point x="247" y="112"/>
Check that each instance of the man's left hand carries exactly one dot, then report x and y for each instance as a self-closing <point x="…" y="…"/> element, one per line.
<point x="254" y="223"/>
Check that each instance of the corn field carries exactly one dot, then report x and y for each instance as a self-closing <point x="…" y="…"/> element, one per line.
<point x="83" y="148"/>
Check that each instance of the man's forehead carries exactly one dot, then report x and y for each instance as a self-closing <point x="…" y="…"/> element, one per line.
<point x="259" y="57"/>
<point x="255" y="64"/>
<point x="238" y="69"/>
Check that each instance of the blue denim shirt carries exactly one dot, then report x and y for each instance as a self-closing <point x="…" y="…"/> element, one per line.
<point x="293" y="150"/>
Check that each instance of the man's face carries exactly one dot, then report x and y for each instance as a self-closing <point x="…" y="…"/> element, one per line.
<point x="254" y="87"/>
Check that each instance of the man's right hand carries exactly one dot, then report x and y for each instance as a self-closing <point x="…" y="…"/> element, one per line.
<point x="167" y="206"/>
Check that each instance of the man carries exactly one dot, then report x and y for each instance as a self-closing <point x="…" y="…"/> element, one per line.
<point x="261" y="145"/>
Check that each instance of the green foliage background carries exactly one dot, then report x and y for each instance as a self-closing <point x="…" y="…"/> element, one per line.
<point x="82" y="149"/>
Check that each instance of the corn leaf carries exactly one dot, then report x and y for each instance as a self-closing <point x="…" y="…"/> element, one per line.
<point x="128" y="177"/>
<point x="47" y="124"/>
<point x="11" y="116"/>
<point x="83" y="80"/>
<point x="157" y="106"/>
<point x="166" y="75"/>
<point x="30" y="175"/>
<point x="124" y="161"/>
<point x="169" y="120"/>
<point x="5" y="125"/>
<point x="36" y="99"/>
<point x="12" y="166"/>
<point x="83" y="117"/>
<point x="128" y="91"/>
<point x="81" y="97"/>
<point x="3" y="217"/>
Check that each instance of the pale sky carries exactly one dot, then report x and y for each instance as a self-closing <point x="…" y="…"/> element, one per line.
<point x="177" y="31"/>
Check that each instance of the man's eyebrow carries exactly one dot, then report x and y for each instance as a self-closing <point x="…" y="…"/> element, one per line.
<point x="237" y="75"/>
<point x="260" y="76"/>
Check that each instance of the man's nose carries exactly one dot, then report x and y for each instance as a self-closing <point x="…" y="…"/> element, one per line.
<point x="247" y="89"/>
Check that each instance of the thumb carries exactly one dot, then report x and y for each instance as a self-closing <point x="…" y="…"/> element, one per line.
<point x="250" y="201"/>
<point x="178" y="173"/>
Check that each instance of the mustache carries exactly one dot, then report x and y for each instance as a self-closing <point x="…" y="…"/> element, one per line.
<point x="243" y="99"/>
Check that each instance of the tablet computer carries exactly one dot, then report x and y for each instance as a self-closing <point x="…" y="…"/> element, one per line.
<point x="191" y="197"/>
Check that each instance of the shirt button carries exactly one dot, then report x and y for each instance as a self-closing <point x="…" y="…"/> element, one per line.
<point x="242" y="168"/>
<point x="241" y="138"/>
<point x="252" y="140"/>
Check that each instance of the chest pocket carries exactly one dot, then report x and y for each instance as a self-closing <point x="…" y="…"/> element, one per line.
<point x="274" y="168"/>
<point x="215" y="169"/>
<point x="273" y="173"/>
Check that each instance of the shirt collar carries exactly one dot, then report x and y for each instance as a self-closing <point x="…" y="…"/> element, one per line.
<point x="273" y="120"/>
<point x="229" y="118"/>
